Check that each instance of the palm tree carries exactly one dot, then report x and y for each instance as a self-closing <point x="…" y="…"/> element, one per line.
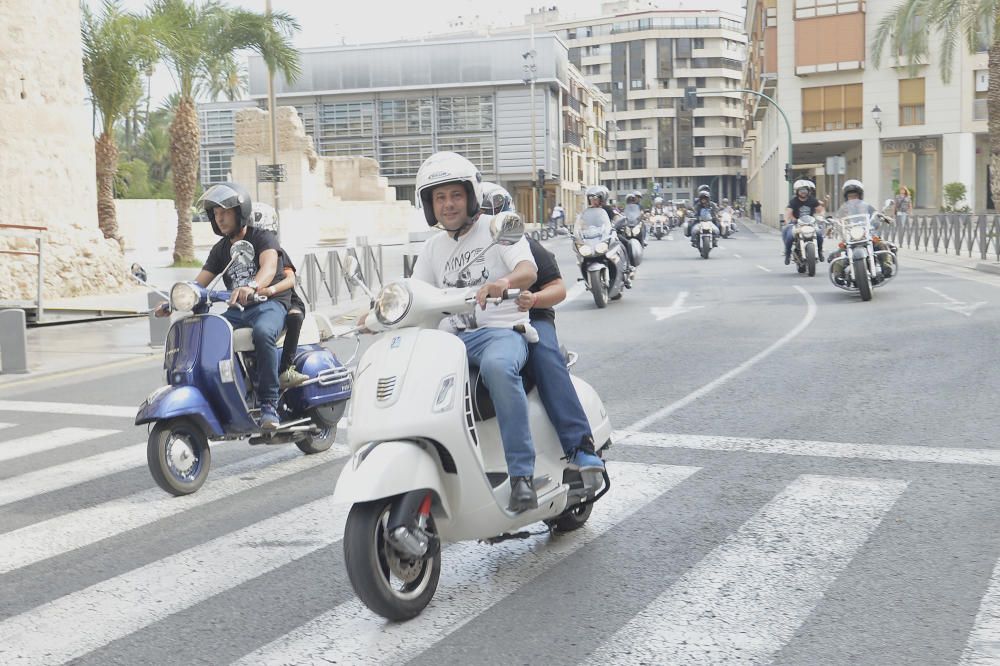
<point x="915" y="24"/>
<point x="116" y="49"/>
<point x="196" y="39"/>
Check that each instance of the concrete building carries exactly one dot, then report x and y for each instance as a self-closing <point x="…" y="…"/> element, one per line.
<point x="814" y="59"/>
<point x="643" y="58"/>
<point x="400" y="102"/>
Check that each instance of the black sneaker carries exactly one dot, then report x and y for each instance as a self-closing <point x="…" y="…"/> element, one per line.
<point x="788" y="259"/>
<point x="522" y="494"/>
<point x="821" y="257"/>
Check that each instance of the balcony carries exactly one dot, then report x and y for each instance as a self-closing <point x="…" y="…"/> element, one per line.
<point x="980" y="110"/>
<point x="571" y="137"/>
<point x="572" y="103"/>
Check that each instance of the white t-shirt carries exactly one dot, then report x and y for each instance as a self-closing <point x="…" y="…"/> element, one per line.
<point x="442" y="257"/>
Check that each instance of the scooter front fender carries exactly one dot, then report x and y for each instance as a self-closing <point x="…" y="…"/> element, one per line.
<point x="386" y="469"/>
<point x="175" y="401"/>
<point x="859" y="253"/>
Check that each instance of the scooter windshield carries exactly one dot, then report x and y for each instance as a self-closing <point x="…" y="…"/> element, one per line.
<point x="592" y="223"/>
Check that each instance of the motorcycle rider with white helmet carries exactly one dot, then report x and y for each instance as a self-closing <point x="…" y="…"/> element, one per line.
<point x="597" y="197"/>
<point x="450" y="191"/>
<point x="704" y="201"/>
<point x="805" y="197"/>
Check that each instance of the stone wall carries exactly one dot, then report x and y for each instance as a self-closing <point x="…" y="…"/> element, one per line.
<point x="47" y="173"/>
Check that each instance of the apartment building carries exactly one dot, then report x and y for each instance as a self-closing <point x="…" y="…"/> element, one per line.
<point x="400" y="102"/>
<point x="644" y="58"/>
<point x="895" y="125"/>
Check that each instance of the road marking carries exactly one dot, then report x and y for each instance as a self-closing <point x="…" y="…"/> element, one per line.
<point x="676" y="308"/>
<point x="955" y="305"/>
<point x="70" y="531"/>
<point x="474" y="577"/>
<point x="747" y="597"/>
<point x="742" y="367"/>
<point x="983" y="645"/>
<point x="66" y="408"/>
<point x="766" y="270"/>
<point x="7" y="425"/>
<point x="46" y="441"/>
<point x="78" y="623"/>
<point x="72" y="473"/>
<point x="796" y="447"/>
<point x="737" y="256"/>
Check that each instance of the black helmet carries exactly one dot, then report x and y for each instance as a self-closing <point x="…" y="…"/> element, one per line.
<point x="227" y="195"/>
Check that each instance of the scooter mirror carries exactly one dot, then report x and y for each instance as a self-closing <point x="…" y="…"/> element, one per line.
<point x="139" y="273"/>
<point x="506" y="228"/>
<point x="888" y="206"/>
<point x="241" y="252"/>
<point x="352" y="270"/>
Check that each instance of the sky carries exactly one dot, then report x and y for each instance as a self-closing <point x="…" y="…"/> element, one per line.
<point x="329" y="22"/>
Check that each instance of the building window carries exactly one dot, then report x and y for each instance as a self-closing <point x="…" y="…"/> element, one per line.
<point x="472" y="113"/>
<point x="217" y="126"/>
<point x="346" y="119"/>
<point x="664" y="103"/>
<point x="639" y="104"/>
<point x="699" y="43"/>
<point x="699" y="121"/>
<point x="911" y="102"/>
<point x="699" y="82"/>
<point x="635" y="124"/>
<point x="478" y="149"/>
<point x="699" y="142"/>
<point x="215" y="165"/>
<point x="831" y="108"/>
<point x="402" y="157"/>
<point x="405" y="116"/>
<point x="341" y="148"/>
<point x="810" y="8"/>
<point x="699" y="161"/>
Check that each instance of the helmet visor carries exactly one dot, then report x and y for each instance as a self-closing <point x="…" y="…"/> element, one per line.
<point x="219" y="196"/>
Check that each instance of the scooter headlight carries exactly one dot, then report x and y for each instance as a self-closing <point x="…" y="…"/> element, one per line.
<point x="183" y="297"/>
<point x="807" y="230"/>
<point x="392" y="303"/>
<point x="636" y="230"/>
<point x="585" y="250"/>
<point x="601" y="248"/>
<point x="857" y="233"/>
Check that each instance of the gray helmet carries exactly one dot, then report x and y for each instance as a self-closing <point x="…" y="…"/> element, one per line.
<point x="599" y="192"/>
<point x="496" y="199"/>
<point x="227" y="195"/>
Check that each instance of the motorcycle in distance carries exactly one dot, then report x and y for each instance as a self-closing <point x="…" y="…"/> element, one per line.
<point x="636" y="227"/>
<point x="703" y="228"/>
<point x="804" y="252"/>
<point x="659" y="225"/>
<point x="858" y="267"/>
<point x="726" y="223"/>
<point x="427" y="463"/>
<point x="211" y="391"/>
<point x="600" y="255"/>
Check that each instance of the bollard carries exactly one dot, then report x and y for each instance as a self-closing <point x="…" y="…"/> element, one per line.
<point x="158" y="326"/>
<point x="13" y="342"/>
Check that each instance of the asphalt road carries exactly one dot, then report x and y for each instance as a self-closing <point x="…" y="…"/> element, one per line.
<point x="799" y="478"/>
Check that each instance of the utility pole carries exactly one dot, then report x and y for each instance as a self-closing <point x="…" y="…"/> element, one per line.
<point x="530" y="71"/>
<point x="274" y="130"/>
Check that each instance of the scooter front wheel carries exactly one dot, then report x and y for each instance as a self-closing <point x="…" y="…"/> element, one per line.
<point x="178" y="456"/>
<point x="390" y="584"/>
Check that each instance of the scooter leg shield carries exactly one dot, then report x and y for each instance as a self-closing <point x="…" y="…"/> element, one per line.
<point x="180" y="401"/>
<point x="387" y="469"/>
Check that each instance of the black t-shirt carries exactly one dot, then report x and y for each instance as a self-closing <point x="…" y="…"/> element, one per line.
<point x="548" y="270"/>
<point x="812" y="203"/>
<point x="286" y="262"/>
<point x="239" y="275"/>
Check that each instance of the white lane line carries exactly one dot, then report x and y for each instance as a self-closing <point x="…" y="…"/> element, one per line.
<point x="54" y="632"/>
<point x="46" y="441"/>
<point x="742" y="367"/>
<point x="983" y="645"/>
<point x="737" y="256"/>
<point x="474" y="577"/>
<point x="766" y="270"/>
<point x="572" y="293"/>
<point x="71" y="473"/>
<point x="747" y="597"/>
<point x="955" y="305"/>
<point x="797" y="447"/>
<point x="675" y="308"/>
<point x="6" y="425"/>
<point x="67" y="408"/>
<point x="67" y="532"/>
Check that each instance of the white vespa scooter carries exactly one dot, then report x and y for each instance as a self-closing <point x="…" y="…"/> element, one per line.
<point x="428" y="463"/>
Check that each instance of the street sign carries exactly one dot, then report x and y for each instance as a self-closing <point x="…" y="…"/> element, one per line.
<point x="836" y="165"/>
<point x="270" y="173"/>
<point x="656" y="187"/>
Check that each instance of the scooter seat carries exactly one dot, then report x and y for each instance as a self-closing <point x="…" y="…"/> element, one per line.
<point x="309" y="335"/>
<point x="482" y="403"/>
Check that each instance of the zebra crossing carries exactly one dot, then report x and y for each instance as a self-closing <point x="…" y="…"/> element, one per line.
<point x="742" y="601"/>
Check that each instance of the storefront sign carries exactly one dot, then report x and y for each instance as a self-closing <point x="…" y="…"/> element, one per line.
<point x="915" y="146"/>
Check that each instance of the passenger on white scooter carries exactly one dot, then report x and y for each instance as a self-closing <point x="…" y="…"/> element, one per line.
<point x="545" y="358"/>
<point x="805" y="197"/>
<point x="449" y="187"/>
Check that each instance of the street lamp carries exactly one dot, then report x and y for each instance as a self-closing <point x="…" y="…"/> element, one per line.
<point x="877" y="116"/>
<point x="530" y="74"/>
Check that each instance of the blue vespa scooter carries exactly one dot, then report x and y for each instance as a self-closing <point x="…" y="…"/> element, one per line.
<point x="211" y="391"/>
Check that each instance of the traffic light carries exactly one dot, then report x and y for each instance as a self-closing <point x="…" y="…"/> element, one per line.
<point x="690" y="98"/>
<point x="541" y="178"/>
<point x="788" y="172"/>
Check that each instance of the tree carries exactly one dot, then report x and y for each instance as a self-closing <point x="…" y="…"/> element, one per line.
<point x="909" y="28"/>
<point x="116" y="49"/>
<point x="197" y="39"/>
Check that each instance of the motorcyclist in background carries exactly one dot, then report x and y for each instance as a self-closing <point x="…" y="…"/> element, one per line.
<point x="704" y="202"/>
<point x="805" y="197"/>
<point x="597" y="197"/>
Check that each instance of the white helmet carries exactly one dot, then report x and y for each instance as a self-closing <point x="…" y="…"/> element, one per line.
<point x="808" y="184"/>
<point x="264" y="217"/>
<point x="658" y="201"/>
<point x="446" y="167"/>
<point x="495" y="199"/>
<point x="598" y="191"/>
<point x="854" y="186"/>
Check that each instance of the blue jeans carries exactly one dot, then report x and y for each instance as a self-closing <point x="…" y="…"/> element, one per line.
<point x="266" y="319"/>
<point x="555" y="387"/>
<point x="789" y="236"/>
<point x="500" y="353"/>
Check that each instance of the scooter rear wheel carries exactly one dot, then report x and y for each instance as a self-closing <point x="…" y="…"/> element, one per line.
<point x="573" y="519"/>
<point x="391" y="586"/>
<point x="178" y="456"/>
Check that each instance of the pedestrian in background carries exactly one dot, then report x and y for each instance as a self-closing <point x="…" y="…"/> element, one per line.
<point x="903" y="203"/>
